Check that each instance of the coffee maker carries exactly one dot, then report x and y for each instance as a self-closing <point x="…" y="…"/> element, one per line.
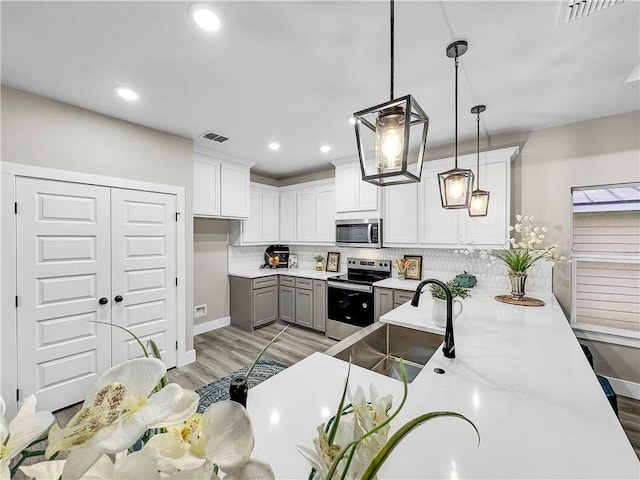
<point x="276" y="256"/>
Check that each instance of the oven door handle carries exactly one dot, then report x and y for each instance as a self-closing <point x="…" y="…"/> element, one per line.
<point x="350" y="286"/>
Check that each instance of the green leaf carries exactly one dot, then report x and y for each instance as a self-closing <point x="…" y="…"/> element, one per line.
<point x="388" y="447"/>
<point x="144" y="350"/>
<point x="248" y="374"/>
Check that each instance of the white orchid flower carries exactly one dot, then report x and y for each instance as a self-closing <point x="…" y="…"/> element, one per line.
<point x="26" y="427"/>
<point x="204" y="472"/>
<point x="519" y="218"/>
<point x="252" y="470"/>
<point x="118" y="409"/>
<point x="44" y="470"/>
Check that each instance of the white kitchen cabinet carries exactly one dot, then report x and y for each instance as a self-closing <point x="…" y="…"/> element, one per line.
<point x="400" y="215"/>
<point x="352" y="194"/>
<point x="440" y="227"/>
<point x="307" y="213"/>
<point x="263" y="225"/>
<point x="220" y="187"/>
<point x="287" y="216"/>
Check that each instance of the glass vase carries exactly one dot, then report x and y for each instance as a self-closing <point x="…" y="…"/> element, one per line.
<point x="518" y="281"/>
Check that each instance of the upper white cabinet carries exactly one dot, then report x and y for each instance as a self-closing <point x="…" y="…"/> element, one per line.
<point x="352" y="194"/>
<point x="307" y="213"/>
<point x="413" y="213"/>
<point x="220" y="187"/>
<point x="263" y="224"/>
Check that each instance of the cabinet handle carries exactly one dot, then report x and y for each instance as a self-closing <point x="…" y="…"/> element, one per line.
<point x="118" y="298"/>
<point x="103" y="301"/>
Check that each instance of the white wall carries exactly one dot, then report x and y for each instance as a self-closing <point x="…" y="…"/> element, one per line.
<point x="211" y="283"/>
<point x="595" y="152"/>
<point x="43" y="132"/>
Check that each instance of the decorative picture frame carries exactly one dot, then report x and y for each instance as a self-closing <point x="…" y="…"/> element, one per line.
<point x="293" y="260"/>
<point x="414" y="267"/>
<point x="333" y="261"/>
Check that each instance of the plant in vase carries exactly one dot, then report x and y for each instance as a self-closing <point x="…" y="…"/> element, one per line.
<point x="401" y="267"/>
<point x="439" y="312"/>
<point x="319" y="263"/>
<point x="526" y="249"/>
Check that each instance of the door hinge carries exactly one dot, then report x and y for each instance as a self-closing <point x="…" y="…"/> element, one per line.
<point x="176" y="344"/>
<point x="16" y="301"/>
<point x="15" y="207"/>
<point x="17" y="394"/>
<point x="176" y="281"/>
<point x="177" y="213"/>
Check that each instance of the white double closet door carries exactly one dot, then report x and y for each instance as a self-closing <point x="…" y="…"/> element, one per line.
<point x="90" y="258"/>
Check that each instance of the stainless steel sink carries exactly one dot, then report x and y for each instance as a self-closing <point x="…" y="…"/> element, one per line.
<point x="379" y="347"/>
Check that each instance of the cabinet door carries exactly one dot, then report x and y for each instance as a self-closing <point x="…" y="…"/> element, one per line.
<point x="288" y="217"/>
<point x="346" y="194"/>
<point x="306" y="215"/>
<point x="401" y="296"/>
<point x="319" y="305"/>
<point x="437" y="225"/>
<point x="383" y="302"/>
<point x="367" y="193"/>
<point x="234" y="190"/>
<point x="264" y="305"/>
<point x="492" y="229"/>
<point x="287" y="304"/>
<point x="325" y="215"/>
<point x="206" y="187"/>
<point x="304" y="307"/>
<point x="401" y="214"/>
<point x="270" y="217"/>
<point x="252" y="226"/>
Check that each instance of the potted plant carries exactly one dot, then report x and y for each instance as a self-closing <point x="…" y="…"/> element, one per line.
<point x="319" y="263"/>
<point x="439" y="311"/>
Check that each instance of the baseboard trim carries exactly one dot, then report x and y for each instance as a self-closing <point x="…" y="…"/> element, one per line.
<point x="625" y="387"/>
<point x="204" y="327"/>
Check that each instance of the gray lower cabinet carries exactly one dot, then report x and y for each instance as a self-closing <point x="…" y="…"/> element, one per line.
<point x="319" y="305"/>
<point x="386" y="299"/>
<point x="253" y="302"/>
<point x="383" y="302"/>
<point x="304" y="307"/>
<point x="287" y="307"/>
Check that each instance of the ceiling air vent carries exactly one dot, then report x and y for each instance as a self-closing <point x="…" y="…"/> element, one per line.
<point x="578" y="9"/>
<point x="214" y="136"/>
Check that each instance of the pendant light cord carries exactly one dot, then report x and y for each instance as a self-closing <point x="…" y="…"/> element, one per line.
<point x="391" y="25"/>
<point x="478" y="150"/>
<point x="456" y="107"/>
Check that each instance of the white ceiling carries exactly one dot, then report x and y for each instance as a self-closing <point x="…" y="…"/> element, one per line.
<point x="294" y="72"/>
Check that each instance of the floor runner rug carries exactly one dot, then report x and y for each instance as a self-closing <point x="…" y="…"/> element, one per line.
<point x="219" y="389"/>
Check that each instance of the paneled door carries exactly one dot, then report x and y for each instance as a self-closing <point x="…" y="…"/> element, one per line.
<point x="143" y="272"/>
<point x="87" y="257"/>
<point x="64" y="284"/>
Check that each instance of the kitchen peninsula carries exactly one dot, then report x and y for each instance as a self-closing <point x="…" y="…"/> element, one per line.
<point x="520" y="376"/>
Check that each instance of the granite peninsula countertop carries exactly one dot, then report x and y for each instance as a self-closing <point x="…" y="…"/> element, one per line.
<point x="520" y="376"/>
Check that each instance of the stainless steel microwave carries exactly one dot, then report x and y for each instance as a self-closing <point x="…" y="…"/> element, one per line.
<point x="359" y="233"/>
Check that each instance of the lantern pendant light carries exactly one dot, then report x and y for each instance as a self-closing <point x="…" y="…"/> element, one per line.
<point x="397" y="130"/>
<point x="479" y="198"/>
<point x="456" y="184"/>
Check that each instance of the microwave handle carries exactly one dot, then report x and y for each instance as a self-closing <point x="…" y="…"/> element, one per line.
<point x="370" y="232"/>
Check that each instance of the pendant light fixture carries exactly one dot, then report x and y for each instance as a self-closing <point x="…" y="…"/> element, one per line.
<point x="397" y="131"/>
<point x="456" y="184"/>
<point x="479" y="198"/>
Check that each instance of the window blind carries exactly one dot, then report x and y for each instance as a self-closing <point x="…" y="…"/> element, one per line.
<point x="608" y="233"/>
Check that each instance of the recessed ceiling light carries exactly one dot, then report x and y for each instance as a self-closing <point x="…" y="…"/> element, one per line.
<point x="204" y="17"/>
<point x="274" y="146"/>
<point x="325" y="149"/>
<point x="127" y="93"/>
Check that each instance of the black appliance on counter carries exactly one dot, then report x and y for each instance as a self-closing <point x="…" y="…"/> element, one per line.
<point x="276" y="256"/>
<point x="350" y="296"/>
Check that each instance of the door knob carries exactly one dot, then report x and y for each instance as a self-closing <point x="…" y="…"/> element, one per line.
<point x="118" y="298"/>
<point x="103" y="301"/>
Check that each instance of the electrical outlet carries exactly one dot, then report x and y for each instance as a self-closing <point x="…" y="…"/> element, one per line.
<point x="200" y="311"/>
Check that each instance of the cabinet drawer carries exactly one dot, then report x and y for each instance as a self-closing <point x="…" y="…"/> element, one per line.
<point x="401" y="296"/>
<point x="287" y="281"/>
<point x="262" y="282"/>
<point x="305" y="283"/>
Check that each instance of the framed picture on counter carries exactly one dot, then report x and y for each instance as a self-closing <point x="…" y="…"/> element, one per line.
<point x="293" y="261"/>
<point x="333" y="261"/>
<point x="414" y="267"/>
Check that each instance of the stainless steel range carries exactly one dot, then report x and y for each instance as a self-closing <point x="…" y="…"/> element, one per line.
<point x="350" y="296"/>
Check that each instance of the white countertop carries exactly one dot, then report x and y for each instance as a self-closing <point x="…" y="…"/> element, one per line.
<point x="293" y="272"/>
<point x="397" y="284"/>
<point x="519" y="375"/>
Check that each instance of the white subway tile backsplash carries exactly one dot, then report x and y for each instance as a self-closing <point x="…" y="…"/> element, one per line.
<point x="443" y="264"/>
